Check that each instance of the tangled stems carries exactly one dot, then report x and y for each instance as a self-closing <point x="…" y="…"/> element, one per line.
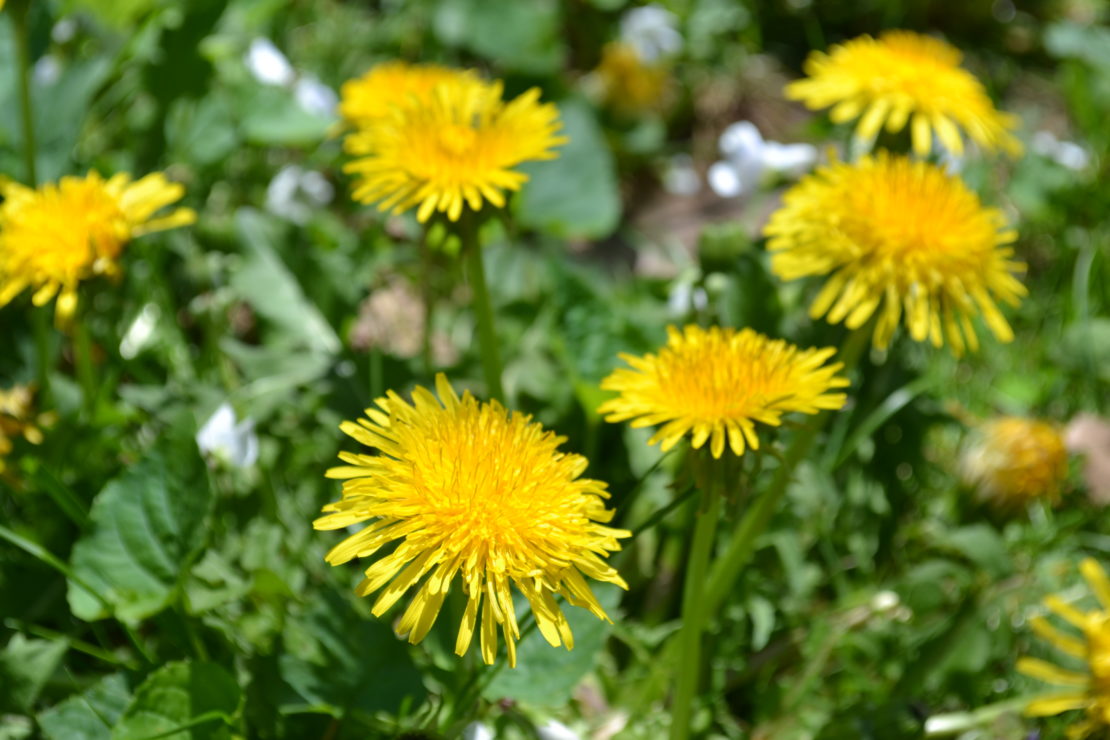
<point x="483" y="309"/>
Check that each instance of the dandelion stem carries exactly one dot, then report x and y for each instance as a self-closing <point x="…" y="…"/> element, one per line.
<point x="483" y="309"/>
<point x="40" y="320"/>
<point x="693" y="605"/>
<point x="20" y="12"/>
<point x="429" y="302"/>
<point x="742" y="544"/>
<point x="86" y="370"/>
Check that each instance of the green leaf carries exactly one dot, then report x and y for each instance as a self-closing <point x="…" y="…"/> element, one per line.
<point x="982" y="545"/>
<point x="25" y="667"/>
<point x="146" y="530"/>
<point x="90" y="715"/>
<point x="270" y="116"/>
<point x="576" y="194"/>
<point x="268" y="285"/>
<point x="197" y="699"/>
<point x="545" y="675"/>
<point x="338" y="659"/>
<point x="523" y="36"/>
<point x="201" y="131"/>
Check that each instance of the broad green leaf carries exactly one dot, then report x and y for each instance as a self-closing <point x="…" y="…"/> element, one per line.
<point x="201" y="131"/>
<point x="574" y="195"/>
<point x="337" y="659"/>
<point x="982" y="545"/>
<point x="195" y="698"/>
<point x="270" y="116"/>
<point x="25" y="666"/>
<point x="89" y="715"/>
<point x="268" y="285"/>
<point x="146" y="528"/>
<point x="546" y="675"/>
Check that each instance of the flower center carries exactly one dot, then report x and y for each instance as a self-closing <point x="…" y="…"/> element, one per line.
<point x="457" y="140"/>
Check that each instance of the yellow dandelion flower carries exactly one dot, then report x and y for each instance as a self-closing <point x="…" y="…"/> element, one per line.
<point x="1088" y="688"/>
<point x="457" y="147"/>
<point x="716" y="383"/>
<point x="627" y="82"/>
<point x="466" y="489"/>
<point x="1015" y="460"/>
<point x="370" y="98"/>
<point x="56" y="236"/>
<point x="897" y="236"/>
<point x="18" y="419"/>
<point x="901" y="78"/>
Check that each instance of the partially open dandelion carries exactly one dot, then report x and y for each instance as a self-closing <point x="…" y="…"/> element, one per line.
<point x="56" y="236"/>
<point x="1088" y="687"/>
<point x="465" y="489"/>
<point x="897" y="236"/>
<point x="370" y="98"/>
<point x="901" y="78"/>
<point x="716" y="383"/>
<point x="455" y="147"/>
<point x="628" y="82"/>
<point x="1015" y="460"/>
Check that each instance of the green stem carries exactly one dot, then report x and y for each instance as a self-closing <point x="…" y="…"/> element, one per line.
<point x="693" y="608"/>
<point x="40" y="320"/>
<point x="483" y="309"/>
<point x="429" y="302"/>
<point x="742" y="544"/>
<point x="86" y="370"/>
<point x="954" y="723"/>
<point x="20" y="11"/>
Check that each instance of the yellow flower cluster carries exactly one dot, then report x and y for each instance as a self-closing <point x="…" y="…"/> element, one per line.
<point x="18" y="419"/>
<point x="440" y="140"/>
<point x="53" y="237"/>
<point x="626" y="81"/>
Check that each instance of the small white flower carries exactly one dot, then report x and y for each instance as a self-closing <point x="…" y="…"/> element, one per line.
<point x="680" y="177"/>
<point x="47" y="70"/>
<point x="553" y="729"/>
<point x="724" y="179"/>
<point x="741" y="141"/>
<point x="684" y="297"/>
<point x="1064" y="153"/>
<point x="315" y="97"/>
<point x="652" y="31"/>
<point x="477" y="731"/>
<point x="268" y="65"/>
<point x="64" y="30"/>
<point x="140" y="332"/>
<point x="792" y="160"/>
<point x="294" y="193"/>
<point x="226" y="439"/>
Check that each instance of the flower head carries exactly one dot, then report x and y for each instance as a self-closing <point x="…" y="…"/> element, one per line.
<point x="465" y="489"/>
<point x="370" y="98"/>
<point x="455" y="147"/>
<point x="1089" y="688"/>
<point x="894" y="236"/>
<point x="1016" y="460"/>
<point x="716" y="383"/>
<point x="626" y="81"/>
<point x="901" y="78"/>
<point x="56" y="236"/>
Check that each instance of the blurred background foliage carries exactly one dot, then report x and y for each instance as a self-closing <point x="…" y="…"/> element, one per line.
<point x="148" y="589"/>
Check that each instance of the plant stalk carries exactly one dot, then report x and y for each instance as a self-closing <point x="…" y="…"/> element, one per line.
<point x="20" y="11"/>
<point x="483" y="308"/>
<point x="694" y="606"/>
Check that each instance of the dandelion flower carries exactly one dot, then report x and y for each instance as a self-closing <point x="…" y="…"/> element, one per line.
<point x="1087" y="688"/>
<point x="56" y="236"/>
<point x="467" y="490"/>
<point x="456" y="147"/>
<point x="901" y="78"/>
<point x="1016" y="460"/>
<point x="716" y="383"/>
<point x="897" y="236"/>
<point x="18" y="419"/>
<point x="371" y="97"/>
